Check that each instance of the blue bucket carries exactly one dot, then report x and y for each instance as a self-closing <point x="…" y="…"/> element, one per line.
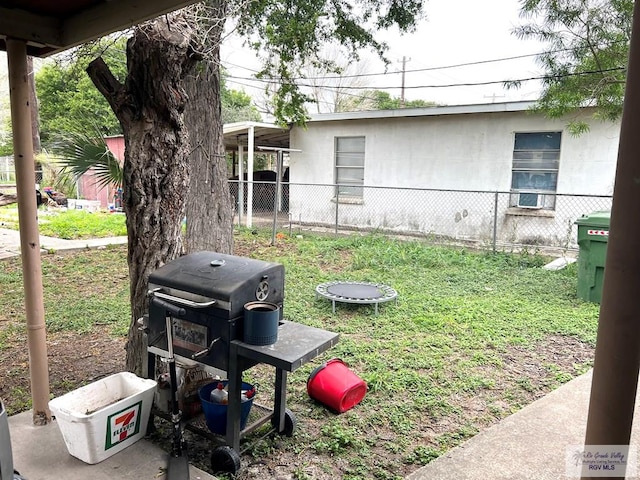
<point x="216" y="414"/>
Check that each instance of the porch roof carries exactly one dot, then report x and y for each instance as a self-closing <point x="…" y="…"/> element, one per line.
<point x="264" y="134"/>
<point x="50" y="27"/>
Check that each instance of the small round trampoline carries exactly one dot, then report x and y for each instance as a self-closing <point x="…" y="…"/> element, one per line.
<point x="356" y="292"/>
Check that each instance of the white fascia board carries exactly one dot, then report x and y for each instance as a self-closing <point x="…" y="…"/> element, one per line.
<point x="426" y="111"/>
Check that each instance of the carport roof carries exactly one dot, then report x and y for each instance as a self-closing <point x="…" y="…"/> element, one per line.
<point x="49" y="26"/>
<point x="264" y="134"/>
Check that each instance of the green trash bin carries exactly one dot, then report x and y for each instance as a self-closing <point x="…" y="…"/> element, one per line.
<point x="593" y="234"/>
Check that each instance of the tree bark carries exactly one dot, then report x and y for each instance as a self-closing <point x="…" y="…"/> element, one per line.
<point x="209" y="209"/>
<point x="149" y="107"/>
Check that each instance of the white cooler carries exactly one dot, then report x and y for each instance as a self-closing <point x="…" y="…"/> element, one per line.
<point x="104" y="417"/>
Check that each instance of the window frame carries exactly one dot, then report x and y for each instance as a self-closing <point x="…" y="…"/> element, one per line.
<point x="541" y="155"/>
<point x="354" y="189"/>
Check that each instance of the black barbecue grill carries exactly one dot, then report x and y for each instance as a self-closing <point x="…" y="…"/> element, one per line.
<point x="203" y="297"/>
<point x="213" y="289"/>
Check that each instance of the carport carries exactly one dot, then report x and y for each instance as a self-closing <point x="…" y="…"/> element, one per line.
<point x="41" y="28"/>
<point x="241" y="136"/>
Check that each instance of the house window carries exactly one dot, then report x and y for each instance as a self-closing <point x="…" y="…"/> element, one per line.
<point x="349" y="166"/>
<point x="534" y="178"/>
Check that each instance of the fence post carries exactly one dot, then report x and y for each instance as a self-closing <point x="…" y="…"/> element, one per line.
<point x="337" y="204"/>
<point x="495" y="221"/>
<point x="276" y="199"/>
<point x="240" y="203"/>
<point x="275" y="217"/>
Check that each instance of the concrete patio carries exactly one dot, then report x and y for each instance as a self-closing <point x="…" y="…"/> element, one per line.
<point x="530" y="444"/>
<point x="39" y="453"/>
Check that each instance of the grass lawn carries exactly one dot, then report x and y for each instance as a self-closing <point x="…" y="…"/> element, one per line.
<point x="69" y="224"/>
<point x="473" y="338"/>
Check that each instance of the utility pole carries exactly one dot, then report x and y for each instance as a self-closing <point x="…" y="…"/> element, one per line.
<point x="493" y="97"/>
<point x="404" y="64"/>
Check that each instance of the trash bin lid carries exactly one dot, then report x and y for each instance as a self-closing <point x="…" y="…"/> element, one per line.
<point x="595" y="219"/>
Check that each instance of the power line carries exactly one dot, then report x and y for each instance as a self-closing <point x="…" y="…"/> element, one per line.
<point x="464" y="84"/>
<point x="319" y="101"/>
<point x="428" y="69"/>
<point x="415" y="70"/>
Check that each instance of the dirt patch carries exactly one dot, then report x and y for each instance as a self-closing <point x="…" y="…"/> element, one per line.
<point x="74" y="360"/>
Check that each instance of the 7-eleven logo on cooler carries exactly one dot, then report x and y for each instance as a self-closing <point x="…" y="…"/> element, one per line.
<point x="122" y="425"/>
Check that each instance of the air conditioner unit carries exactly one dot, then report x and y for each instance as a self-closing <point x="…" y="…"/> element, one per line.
<point x="530" y="200"/>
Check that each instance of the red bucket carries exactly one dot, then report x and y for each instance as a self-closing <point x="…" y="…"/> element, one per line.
<point x="337" y="387"/>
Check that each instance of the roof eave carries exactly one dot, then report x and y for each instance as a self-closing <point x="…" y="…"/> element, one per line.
<point x="46" y="35"/>
<point x="426" y="111"/>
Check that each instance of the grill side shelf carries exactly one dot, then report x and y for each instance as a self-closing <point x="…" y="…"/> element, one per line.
<point x="297" y="344"/>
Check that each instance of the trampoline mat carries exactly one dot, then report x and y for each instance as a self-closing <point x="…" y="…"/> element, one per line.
<point x="355" y="290"/>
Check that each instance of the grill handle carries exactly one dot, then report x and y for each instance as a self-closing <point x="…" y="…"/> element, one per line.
<point x="169" y="307"/>
<point x="182" y="301"/>
<point x="206" y="351"/>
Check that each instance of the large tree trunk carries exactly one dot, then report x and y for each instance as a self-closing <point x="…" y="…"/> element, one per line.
<point x="150" y="109"/>
<point x="209" y="206"/>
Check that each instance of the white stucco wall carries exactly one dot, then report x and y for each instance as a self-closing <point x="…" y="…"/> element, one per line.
<point x="468" y="152"/>
<point x="471" y="152"/>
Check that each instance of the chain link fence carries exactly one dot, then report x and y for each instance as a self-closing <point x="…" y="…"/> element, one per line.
<point x="490" y="220"/>
<point x="8" y="172"/>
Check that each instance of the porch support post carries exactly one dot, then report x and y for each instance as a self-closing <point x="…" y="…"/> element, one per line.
<point x="29" y="234"/>
<point x="250" y="154"/>
<point x="617" y="357"/>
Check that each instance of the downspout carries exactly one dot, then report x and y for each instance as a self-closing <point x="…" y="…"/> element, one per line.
<point x="29" y="234"/>
<point x="617" y="357"/>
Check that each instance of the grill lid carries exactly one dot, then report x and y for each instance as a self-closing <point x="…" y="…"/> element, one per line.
<point x="231" y="279"/>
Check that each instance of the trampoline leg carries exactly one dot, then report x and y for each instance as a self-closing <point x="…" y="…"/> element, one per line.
<point x="376" y="309"/>
<point x="334" y="305"/>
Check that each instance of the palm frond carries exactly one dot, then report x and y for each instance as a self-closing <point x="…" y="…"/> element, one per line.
<point x="79" y="152"/>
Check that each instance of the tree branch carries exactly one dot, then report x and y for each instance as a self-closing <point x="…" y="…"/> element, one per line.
<point x="107" y="85"/>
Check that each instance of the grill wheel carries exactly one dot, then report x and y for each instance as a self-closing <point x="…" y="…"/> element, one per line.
<point x="225" y="459"/>
<point x="290" y="423"/>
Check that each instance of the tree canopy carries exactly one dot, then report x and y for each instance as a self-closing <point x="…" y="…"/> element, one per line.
<point x="586" y="55"/>
<point x="382" y="100"/>
<point x="70" y="104"/>
<point x="68" y="99"/>
<point x="237" y="106"/>
<point x="288" y="36"/>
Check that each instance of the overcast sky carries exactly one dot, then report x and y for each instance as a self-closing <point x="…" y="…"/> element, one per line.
<point x="454" y="32"/>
